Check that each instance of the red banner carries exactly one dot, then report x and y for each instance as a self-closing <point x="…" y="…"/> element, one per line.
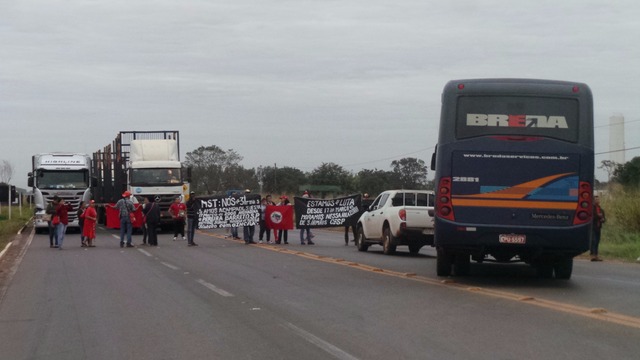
<point x="113" y="216"/>
<point x="279" y="217"/>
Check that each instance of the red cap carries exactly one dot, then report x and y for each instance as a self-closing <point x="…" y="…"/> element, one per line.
<point x="126" y="194"/>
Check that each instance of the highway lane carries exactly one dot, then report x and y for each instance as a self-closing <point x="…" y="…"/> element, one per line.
<point x="228" y="300"/>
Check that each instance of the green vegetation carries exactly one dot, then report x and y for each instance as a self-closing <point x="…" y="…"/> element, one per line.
<point x="621" y="233"/>
<point x="8" y="228"/>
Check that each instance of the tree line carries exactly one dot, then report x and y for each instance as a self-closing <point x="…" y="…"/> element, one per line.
<point x="214" y="170"/>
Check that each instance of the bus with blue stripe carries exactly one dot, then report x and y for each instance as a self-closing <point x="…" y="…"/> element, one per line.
<point x="514" y="171"/>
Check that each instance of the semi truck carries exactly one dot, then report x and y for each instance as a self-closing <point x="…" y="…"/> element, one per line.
<point x="145" y="163"/>
<point x="62" y="174"/>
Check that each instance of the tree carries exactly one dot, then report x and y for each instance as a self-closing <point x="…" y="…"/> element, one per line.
<point x="332" y="174"/>
<point x="409" y="173"/>
<point x="628" y="174"/>
<point x="237" y="177"/>
<point x="208" y="165"/>
<point x="373" y="181"/>
<point x="608" y="166"/>
<point x="281" y="180"/>
<point x="6" y="171"/>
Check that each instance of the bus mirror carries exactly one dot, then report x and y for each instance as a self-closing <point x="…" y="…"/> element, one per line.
<point x="433" y="161"/>
<point x="30" y="181"/>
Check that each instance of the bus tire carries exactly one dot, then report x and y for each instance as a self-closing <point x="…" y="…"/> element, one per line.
<point x="443" y="263"/>
<point x="388" y="247"/>
<point x="361" y="243"/>
<point x="545" y="270"/>
<point x="563" y="268"/>
<point x="462" y="263"/>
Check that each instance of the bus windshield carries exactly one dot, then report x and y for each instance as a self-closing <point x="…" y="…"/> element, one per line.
<point x="517" y="116"/>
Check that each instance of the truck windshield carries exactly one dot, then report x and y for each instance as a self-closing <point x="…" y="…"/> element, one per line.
<point x="56" y="179"/>
<point x="155" y="177"/>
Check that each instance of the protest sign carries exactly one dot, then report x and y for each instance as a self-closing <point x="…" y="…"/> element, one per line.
<point x="316" y="213"/>
<point x="216" y="212"/>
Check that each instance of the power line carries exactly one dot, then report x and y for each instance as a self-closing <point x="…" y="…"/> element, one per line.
<point x="612" y="151"/>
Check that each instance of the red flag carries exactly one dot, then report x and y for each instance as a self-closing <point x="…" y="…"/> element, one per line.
<point x="279" y="217"/>
<point x="113" y="216"/>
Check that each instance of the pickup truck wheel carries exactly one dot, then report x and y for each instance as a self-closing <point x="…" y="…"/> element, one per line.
<point x="388" y="247"/>
<point x="361" y="244"/>
<point x="443" y="263"/>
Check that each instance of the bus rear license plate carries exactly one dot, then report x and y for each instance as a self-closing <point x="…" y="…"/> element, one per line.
<point x="512" y="239"/>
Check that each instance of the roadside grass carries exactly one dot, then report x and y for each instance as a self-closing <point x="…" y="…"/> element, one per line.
<point x="621" y="232"/>
<point x="9" y="228"/>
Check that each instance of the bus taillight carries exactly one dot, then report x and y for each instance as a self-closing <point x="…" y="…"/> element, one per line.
<point x="584" y="211"/>
<point x="444" y="208"/>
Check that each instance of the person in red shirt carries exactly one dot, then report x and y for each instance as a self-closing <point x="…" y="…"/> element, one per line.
<point x="598" y="220"/>
<point x="178" y="211"/>
<point x="89" y="226"/>
<point x="62" y="212"/>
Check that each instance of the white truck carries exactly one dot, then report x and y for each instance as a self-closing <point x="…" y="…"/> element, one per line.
<point x="397" y="217"/>
<point x="66" y="175"/>
<point x="145" y="163"/>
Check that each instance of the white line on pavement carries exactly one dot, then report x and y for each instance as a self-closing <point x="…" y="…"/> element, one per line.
<point x="330" y="348"/>
<point x="214" y="288"/>
<point x="172" y="267"/>
<point x="145" y="252"/>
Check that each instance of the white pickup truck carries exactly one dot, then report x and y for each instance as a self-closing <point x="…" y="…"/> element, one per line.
<point x="397" y="217"/>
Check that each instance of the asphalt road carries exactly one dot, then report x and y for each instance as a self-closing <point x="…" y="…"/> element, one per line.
<point x="227" y="300"/>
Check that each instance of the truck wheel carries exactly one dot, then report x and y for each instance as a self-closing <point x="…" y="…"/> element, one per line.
<point x="443" y="263"/>
<point x="563" y="268"/>
<point x="414" y="249"/>
<point x="388" y="247"/>
<point x="462" y="264"/>
<point x="361" y="244"/>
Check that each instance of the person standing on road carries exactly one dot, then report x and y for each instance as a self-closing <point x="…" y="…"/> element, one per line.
<point x="264" y="229"/>
<point x="126" y="207"/>
<point x="306" y="229"/>
<point x="178" y="211"/>
<point x="598" y="220"/>
<point x="284" y="200"/>
<point x="192" y="219"/>
<point x="62" y="211"/>
<point x="152" y="220"/>
<point x="79" y="214"/>
<point x="145" y="233"/>
<point x="248" y="230"/>
<point x="89" y="225"/>
<point x="51" y="211"/>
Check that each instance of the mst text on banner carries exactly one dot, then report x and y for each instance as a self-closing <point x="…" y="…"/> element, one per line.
<point x="315" y="213"/>
<point x="216" y="212"/>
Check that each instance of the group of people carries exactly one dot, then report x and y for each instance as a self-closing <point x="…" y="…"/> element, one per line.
<point x="58" y="220"/>
<point x="179" y="212"/>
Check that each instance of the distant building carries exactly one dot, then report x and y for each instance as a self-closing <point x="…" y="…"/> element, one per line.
<point x="616" y="139"/>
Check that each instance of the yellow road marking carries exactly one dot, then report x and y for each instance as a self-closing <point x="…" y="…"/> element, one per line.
<point x="593" y="313"/>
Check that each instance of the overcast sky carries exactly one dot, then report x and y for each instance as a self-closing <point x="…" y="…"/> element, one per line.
<point x="293" y="82"/>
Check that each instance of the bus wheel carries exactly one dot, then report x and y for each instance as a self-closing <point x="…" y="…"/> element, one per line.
<point x="545" y="270"/>
<point x="462" y="264"/>
<point x="443" y="263"/>
<point x="388" y="247"/>
<point x="361" y="244"/>
<point x="563" y="268"/>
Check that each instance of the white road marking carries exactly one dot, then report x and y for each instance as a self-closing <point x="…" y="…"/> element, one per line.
<point x="172" y="267"/>
<point x="214" y="288"/>
<point x="329" y="348"/>
<point x="145" y="252"/>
